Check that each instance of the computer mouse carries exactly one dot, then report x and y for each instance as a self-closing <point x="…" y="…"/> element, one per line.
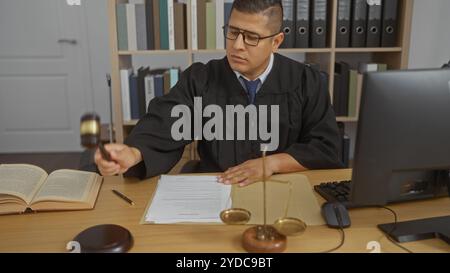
<point x="335" y="215"/>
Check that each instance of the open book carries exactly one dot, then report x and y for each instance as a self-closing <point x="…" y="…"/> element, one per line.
<point x="25" y="187"/>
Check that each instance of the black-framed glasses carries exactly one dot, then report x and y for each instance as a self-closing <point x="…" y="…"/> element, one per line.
<point x="250" y="38"/>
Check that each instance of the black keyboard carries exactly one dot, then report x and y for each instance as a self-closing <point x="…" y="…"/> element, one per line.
<point x="336" y="191"/>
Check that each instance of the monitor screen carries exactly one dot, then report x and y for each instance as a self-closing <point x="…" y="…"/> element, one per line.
<point x="402" y="148"/>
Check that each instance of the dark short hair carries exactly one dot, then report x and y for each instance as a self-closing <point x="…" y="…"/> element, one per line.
<point x="270" y="8"/>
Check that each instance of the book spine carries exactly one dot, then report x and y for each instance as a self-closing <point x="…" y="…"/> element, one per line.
<point x="149" y="90"/>
<point x="159" y="85"/>
<point x="131" y="27"/>
<point x="194" y="24"/>
<point x="227" y="6"/>
<point x="220" y="40"/>
<point x="149" y="24"/>
<point x="359" y="86"/>
<point x="171" y="27"/>
<point x="134" y="97"/>
<point x="125" y="90"/>
<point x="141" y="27"/>
<point x="180" y="25"/>
<point x="156" y="25"/>
<point x="173" y="77"/>
<point x="353" y="82"/>
<point x="166" y="79"/>
<point x="122" y="35"/>
<point x="164" y="24"/>
<point x="210" y="25"/>
<point x="201" y="24"/>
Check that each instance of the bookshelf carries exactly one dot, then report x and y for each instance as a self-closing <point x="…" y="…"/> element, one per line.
<point x="394" y="57"/>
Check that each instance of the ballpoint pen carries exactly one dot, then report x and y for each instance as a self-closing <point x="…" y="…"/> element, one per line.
<point x="121" y="195"/>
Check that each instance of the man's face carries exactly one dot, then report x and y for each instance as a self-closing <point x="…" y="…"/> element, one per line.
<point x="251" y="60"/>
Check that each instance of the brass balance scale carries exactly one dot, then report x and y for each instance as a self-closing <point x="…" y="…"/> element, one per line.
<point x="265" y="238"/>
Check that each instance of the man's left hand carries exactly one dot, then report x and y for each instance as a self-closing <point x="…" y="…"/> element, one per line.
<point x="252" y="170"/>
<point x="247" y="173"/>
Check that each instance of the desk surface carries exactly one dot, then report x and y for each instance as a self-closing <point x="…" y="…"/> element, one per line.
<point x="51" y="231"/>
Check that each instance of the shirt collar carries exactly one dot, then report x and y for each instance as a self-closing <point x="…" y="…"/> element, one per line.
<point x="261" y="77"/>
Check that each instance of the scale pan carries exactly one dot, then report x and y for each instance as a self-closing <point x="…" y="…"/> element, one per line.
<point x="290" y="226"/>
<point x="235" y="216"/>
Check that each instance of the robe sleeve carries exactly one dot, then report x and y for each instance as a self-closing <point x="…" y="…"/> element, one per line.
<point x="152" y="134"/>
<point x="318" y="144"/>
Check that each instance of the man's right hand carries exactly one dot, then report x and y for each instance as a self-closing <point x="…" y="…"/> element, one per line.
<point x="123" y="156"/>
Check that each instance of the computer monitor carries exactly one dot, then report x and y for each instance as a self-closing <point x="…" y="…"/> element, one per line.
<point x="402" y="148"/>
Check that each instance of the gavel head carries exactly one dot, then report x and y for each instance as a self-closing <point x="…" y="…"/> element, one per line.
<point x="90" y="130"/>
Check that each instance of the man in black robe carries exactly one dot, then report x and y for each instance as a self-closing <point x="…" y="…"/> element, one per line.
<point x="251" y="73"/>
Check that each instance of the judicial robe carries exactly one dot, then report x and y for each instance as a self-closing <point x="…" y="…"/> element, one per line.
<point x="307" y="123"/>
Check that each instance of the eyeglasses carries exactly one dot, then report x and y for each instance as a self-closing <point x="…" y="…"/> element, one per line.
<point x="250" y="38"/>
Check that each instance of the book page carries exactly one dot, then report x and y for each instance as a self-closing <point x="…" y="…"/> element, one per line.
<point x="66" y="186"/>
<point x="21" y="180"/>
<point x="7" y="199"/>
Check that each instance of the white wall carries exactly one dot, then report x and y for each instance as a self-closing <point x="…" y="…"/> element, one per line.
<point x="99" y="54"/>
<point x="430" y="37"/>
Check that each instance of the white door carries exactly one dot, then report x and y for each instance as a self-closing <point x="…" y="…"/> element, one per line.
<point x="43" y="78"/>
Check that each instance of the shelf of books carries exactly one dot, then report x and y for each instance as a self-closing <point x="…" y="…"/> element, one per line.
<point x="343" y="38"/>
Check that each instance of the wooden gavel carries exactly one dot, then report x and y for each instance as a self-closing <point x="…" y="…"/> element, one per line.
<point x="90" y="134"/>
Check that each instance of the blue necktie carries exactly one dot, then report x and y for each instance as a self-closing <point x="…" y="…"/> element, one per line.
<point x="251" y="88"/>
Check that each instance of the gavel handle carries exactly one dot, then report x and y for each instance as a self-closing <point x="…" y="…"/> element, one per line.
<point x="104" y="152"/>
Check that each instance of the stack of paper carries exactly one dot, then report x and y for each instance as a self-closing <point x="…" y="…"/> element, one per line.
<point x="188" y="199"/>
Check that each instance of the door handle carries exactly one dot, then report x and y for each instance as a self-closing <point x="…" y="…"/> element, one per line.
<point x="68" y="41"/>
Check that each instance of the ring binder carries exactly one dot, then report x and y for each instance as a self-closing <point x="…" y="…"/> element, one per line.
<point x="389" y="35"/>
<point x="343" y="23"/>
<point x="359" y="19"/>
<point x="288" y="24"/>
<point x="302" y="24"/>
<point x="319" y="13"/>
<point x="374" y="24"/>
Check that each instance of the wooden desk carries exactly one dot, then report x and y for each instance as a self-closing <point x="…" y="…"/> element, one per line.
<point x="50" y="231"/>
